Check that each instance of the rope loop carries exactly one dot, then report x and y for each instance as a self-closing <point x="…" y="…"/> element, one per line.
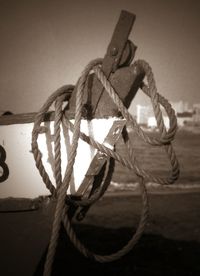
<point x="59" y="190"/>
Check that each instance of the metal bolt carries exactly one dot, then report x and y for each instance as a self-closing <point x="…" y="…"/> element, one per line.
<point x="116" y="131"/>
<point x="114" y="51"/>
<point x="102" y="155"/>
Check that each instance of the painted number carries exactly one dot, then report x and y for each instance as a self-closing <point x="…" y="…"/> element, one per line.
<point x="4" y="171"/>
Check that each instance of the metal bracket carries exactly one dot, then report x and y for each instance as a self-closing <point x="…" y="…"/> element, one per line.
<point x="118" y="42"/>
<point x="120" y="53"/>
<point x="99" y="159"/>
<point x="114" y="53"/>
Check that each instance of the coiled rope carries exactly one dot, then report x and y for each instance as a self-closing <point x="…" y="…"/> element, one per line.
<point x="59" y="192"/>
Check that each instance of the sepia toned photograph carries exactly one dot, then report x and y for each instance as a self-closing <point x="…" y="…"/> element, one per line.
<point x="99" y="137"/>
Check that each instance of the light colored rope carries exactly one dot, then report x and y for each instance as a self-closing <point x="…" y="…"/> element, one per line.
<point x="61" y="186"/>
<point x="57" y="140"/>
<point x="39" y="118"/>
<point x="126" y="248"/>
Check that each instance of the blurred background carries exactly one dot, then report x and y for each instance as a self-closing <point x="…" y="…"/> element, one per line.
<point x="45" y="44"/>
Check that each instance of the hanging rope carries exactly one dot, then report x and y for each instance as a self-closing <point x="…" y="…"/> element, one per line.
<point x="59" y="192"/>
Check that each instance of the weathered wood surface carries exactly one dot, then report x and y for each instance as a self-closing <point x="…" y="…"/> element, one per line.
<point x="25" y="118"/>
<point x="22" y="118"/>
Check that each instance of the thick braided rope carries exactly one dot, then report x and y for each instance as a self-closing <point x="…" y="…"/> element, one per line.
<point x="126" y="248"/>
<point x="57" y="147"/>
<point x="64" y="186"/>
<point x="102" y="148"/>
<point x="139" y="231"/>
<point x="64" y="90"/>
<point x="166" y="137"/>
<point x="129" y="164"/>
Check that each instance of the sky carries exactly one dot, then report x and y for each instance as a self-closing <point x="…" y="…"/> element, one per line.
<point x="45" y="44"/>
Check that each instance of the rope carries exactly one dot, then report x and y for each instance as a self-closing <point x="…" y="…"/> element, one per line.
<point x="59" y="192"/>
